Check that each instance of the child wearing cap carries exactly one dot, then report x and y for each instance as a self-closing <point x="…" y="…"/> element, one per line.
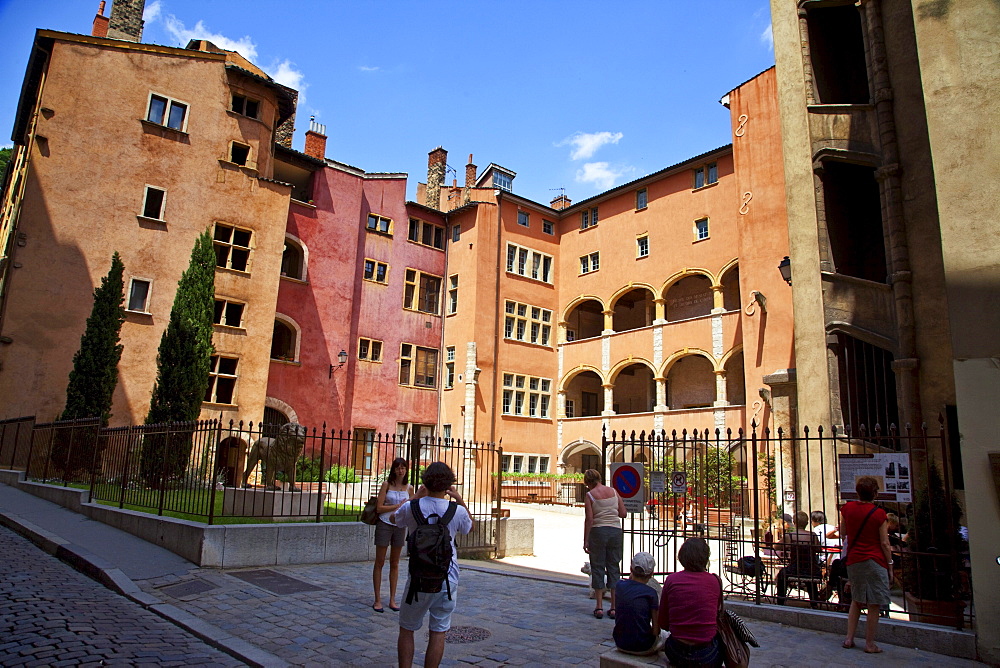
<point x="637" y="630"/>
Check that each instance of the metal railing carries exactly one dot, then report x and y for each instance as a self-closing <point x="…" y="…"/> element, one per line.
<point x="734" y="487"/>
<point x="215" y="473"/>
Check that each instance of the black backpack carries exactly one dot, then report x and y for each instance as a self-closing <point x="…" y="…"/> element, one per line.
<point x="429" y="549"/>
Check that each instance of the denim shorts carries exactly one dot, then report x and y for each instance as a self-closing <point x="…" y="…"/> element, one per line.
<point x="440" y="607"/>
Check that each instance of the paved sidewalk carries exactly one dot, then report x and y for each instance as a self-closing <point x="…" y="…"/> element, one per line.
<point x="527" y="620"/>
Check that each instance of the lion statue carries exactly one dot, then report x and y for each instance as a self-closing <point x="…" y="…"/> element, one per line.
<point x="278" y="454"/>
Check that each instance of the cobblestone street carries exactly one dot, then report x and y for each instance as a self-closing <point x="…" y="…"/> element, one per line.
<point x="54" y="616"/>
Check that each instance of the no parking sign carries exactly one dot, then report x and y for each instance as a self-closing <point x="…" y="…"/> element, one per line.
<point x="627" y="479"/>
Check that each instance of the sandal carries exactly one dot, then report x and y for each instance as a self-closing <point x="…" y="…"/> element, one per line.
<point x="611" y="613"/>
<point x="599" y="613"/>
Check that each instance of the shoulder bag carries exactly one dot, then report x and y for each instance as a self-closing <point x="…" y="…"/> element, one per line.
<point x="736" y="653"/>
<point x="368" y="515"/>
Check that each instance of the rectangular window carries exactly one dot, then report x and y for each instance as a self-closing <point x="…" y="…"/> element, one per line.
<point x="446" y="435"/>
<point x="526" y="396"/>
<point x="426" y="234"/>
<point x="707" y="175"/>
<point x="417" y="366"/>
<point x="543" y="464"/>
<point x="449" y="369"/>
<point x="570" y="408"/>
<point x="641" y="200"/>
<point x="422" y="292"/>
<point x="548" y="227"/>
<point x="153" y="201"/>
<point x="505" y="464"/>
<point x="590" y="263"/>
<point x="456" y="233"/>
<point x="229" y="313"/>
<point x="167" y="112"/>
<point x="138" y="295"/>
<point x="376" y="271"/>
<point x="453" y="294"/>
<point x="518" y="462"/>
<point x="588" y="218"/>
<point x="642" y="246"/>
<point x="701" y="229"/>
<point x="239" y="154"/>
<point x="523" y="219"/>
<point x="529" y="263"/>
<point x="232" y="247"/>
<point x="245" y="106"/>
<point x="530" y="324"/>
<point x="369" y="350"/>
<point x="532" y="464"/>
<point x="221" y="380"/>
<point x="379" y="224"/>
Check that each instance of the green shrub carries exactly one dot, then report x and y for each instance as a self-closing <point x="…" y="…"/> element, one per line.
<point x="338" y="473"/>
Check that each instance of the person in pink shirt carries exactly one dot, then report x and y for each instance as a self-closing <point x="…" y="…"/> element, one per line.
<point x="689" y="607"/>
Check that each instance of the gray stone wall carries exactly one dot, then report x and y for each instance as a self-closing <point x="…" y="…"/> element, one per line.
<point x="126" y="20"/>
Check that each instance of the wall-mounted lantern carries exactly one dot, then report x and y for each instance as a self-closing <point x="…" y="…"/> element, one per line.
<point x="342" y="359"/>
<point x="785" y="268"/>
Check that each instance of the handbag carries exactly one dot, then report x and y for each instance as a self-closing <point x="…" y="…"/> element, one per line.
<point x="735" y="652"/>
<point x="368" y="515"/>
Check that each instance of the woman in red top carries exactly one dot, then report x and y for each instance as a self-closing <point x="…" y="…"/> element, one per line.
<point x="689" y="607"/>
<point x="869" y="560"/>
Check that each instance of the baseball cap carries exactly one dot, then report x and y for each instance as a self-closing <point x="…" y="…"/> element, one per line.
<point x="643" y="562"/>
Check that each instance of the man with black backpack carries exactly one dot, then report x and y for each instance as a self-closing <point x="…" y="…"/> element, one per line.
<point x="432" y="521"/>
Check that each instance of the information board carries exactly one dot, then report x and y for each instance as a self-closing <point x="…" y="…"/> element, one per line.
<point x="891" y="469"/>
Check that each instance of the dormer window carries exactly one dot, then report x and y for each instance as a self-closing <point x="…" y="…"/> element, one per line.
<point x="503" y="181"/>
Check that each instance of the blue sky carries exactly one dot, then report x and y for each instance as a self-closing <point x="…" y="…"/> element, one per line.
<point x="578" y="95"/>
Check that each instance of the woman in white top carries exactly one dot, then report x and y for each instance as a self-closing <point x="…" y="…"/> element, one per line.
<point x="393" y="493"/>
<point x="603" y="538"/>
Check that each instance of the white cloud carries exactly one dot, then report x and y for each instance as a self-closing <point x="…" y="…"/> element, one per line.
<point x="601" y="174"/>
<point x="285" y="73"/>
<point x="586" y="144"/>
<point x="365" y="68"/>
<point x="767" y="38"/>
<point x="152" y="11"/>
<point x="244" y="46"/>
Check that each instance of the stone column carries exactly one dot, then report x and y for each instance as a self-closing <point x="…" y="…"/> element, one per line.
<point x="720" y="389"/>
<point x="661" y="394"/>
<point x="609" y="322"/>
<point x="782" y="400"/>
<point x="609" y="399"/>
<point x="661" y="311"/>
<point x="718" y="300"/>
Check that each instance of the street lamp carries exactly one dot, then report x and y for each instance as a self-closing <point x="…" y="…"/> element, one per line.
<point x="342" y="359"/>
<point x="785" y="267"/>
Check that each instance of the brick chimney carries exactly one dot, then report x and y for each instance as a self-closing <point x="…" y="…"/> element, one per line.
<point x="126" y="20"/>
<point x="100" y="28"/>
<point x="437" y="161"/>
<point x="316" y="139"/>
<point x="470" y="181"/>
<point x="560" y="202"/>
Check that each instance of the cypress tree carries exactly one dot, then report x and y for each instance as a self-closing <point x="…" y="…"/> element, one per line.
<point x="182" y="365"/>
<point x="94" y="376"/>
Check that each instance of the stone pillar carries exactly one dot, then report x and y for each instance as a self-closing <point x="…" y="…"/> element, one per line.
<point x="661" y="394"/>
<point x="471" y="381"/>
<point x="661" y="311"/>
<point x="561" y="405"/>
<point x="720" y="389"/>
<point x="609" y="322"/>
<point x="718" y="301"/>
<point x="561" y="331"/>
<point x="126" y="20"/>
<point x="782" y="399"/>
<point x="609" y="399"/>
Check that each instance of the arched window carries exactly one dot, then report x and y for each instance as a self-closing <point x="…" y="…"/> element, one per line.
<point x="293" y="259"/>
<point x="689" y="297"/>
<point x="284" y="342"/>
<point x="585" y="321"/>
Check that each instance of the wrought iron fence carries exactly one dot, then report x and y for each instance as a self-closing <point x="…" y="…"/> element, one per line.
<point x="732" y="489"/>
<point x="216" y="473"/>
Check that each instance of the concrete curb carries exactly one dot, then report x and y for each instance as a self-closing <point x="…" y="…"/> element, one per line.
<point x="114" y="579"/>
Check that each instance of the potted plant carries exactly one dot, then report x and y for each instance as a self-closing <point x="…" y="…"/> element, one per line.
<point x="929" y="574"/>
